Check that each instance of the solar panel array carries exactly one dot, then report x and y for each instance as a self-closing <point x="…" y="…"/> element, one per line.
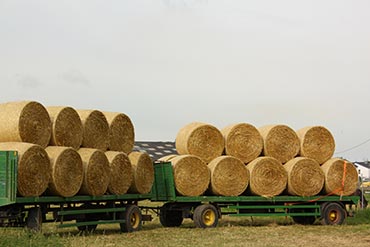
<point x="155" y="149"/>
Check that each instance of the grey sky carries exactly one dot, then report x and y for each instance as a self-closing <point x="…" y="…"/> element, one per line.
<point x="167" y="63"/>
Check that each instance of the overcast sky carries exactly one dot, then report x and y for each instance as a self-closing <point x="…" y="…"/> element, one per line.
<point x="166" y="63"/>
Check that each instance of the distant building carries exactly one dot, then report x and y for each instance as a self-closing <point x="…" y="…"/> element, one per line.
<point x="363" y="168"/>
<point x="155" y="149"/>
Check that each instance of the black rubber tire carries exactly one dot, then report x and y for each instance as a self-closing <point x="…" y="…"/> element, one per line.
<point x="34" y="219"/>
<point x="333" y="214"/>
<point x="133" y="219"/>
<point x="205" y="216"/>
<point x="304" y="220"/>
<point x="170" y="218"/>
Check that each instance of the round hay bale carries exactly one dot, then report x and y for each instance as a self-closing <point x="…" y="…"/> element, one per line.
<point x="67" y="171"/>
<point x="200" y="139"/>
<point x="25" y="121"/>
<point x="268" y="177"/>
<point x="242" y="141"/>
<point x="229" y="176"/>
<point x="280" y="142"/>
<point x="305" y="177"/>
<point x="167" y="158"/>
<point x="337" y="174"/>
<point x="96" y="172"/>
<point x="66" y="127"/>
<point x="121" y="132"/>
<point x="191" y="175"/>
<point x="95" y="129"/>
<point x="316" y="143"/>
<point x="34" y="168"/>
<point x="143" y="172"/>
<point x="121" y="172"/>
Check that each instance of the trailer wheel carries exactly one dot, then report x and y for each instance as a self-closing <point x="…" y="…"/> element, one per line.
<point x="304" y="220"/>
<point x="170" y="218"/>
<point x="133" y="219"/>
<point x="333" y="214"/>
<point x="34" y="219"/>
<point x="205" y="216"/>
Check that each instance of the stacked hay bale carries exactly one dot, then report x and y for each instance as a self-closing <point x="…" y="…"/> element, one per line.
<point x="121" y="175"/>
<point x="143" y="172"/>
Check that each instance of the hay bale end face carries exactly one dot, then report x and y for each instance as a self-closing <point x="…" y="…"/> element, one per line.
<point x="267" y="177"/>
<point x="338" y="172"/>
<point x="305" y="177"/>
<point x="200" y="139"/>
<point x="167" y="158"/>
<point x="67" y="171"/>
<point x="242" y="141"/>
<point x="229" y="176"/>
<point x="191" y="175"/>
<point x="121" y="172"/>
<point x="143" y="172"/>
<point x="316" y="143"/>
<point x="280" y="142"/>
<point x="67" y="127"/>
<point x="96" y="172"/>
<point x="25" y="121"/>
<point x="34" y="168"/>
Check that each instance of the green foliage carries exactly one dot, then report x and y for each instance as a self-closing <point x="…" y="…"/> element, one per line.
<point x="20" y="237"/>
<point x="362" y="216"/>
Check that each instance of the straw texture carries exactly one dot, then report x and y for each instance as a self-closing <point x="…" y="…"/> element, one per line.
<point x="66" y="127"/>
<point x="200" y="139"/>
<point x="67" y="171"/>
<point x="229" y="176"/>
<point x="121" y="172"/>
<point x="242" y="141"/>
<point x="143" y="172"/>
<point x="34" y="168"/>
<point x="25" y="121"/>
<point x="305" y="177"/>
<point x="167" y="157"/>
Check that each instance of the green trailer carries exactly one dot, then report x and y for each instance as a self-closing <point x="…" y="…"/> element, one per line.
<point x="206" y="210"/>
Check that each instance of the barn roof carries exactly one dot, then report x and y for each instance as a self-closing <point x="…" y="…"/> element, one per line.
<point x="155" y="149"/>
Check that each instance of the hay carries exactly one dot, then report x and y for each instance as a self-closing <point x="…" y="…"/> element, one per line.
<point x="191" y="175"/>
<point x="24" y="121"/>
<point x="316" y="143"/>
<point x="95" y="129"/>
<point x="167" y="157"/>
<point x="67" y="171"/>
<point x="334" y="172"/>
<point x="34" y="168"/>
<point x="66" y="127"/>
<point x="121" y="172"/>
<point x="280" y="142"/>
<point x="242" y="141"/>
<point x="96" y="172"/>
<point x="268" y="177"/>
<point x="143" y="173"/>
<point x="305" y="177"/>
<point x="121" y="132"/>
<point x="200" y="139"/>
<point x="229" y="176"/>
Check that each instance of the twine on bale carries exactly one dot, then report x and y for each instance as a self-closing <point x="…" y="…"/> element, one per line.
<point x="200" y="139"/>
<point x="143" y="172"/>
<point x="67" y="171"/>
<point x="242" y="141"/>
<point x="25" y="121"/>
<point x="280" y="142"/>
<point x="316" y="143"/>
<point x="229" y="176"/>
<point x="268" y="177"/>
<point x="67" y="127"/>
<point x="121" y="172"/>
<point x="33" y="169"/>
<point x="121" y="132"/>
<point x="305" y="177"/>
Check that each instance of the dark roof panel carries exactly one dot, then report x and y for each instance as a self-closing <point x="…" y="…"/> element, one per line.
<point x="155" y="149"/>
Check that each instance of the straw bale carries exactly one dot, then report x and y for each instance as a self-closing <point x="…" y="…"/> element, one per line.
<point x="229" y="176"/>
<point x="268" y="177"/>
<point x="280" y="142"/>
<point x="34" y="168"/>
<point x="96" y="172"/>
<point x="316" y="143"/>
<point x="167" y="157"/>
<point x="95" y="129"/>
<point x="242" y="141"/>
<point x="200" y="139"/>
<point x="121" y="172"/>
<point x="334" y="173"/>
<point x="305" y="177"/>
<point x="143" y="172"/>
<point x="67" y="171"/>
<point x="25" y="121"/>
<point x="191" y="175"/>
<point x="66" y="127"/>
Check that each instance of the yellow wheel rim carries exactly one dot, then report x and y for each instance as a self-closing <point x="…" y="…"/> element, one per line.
<point x="134" y="220"/>
<point x="333" y="216"/>
<point x="209" y="217"/>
